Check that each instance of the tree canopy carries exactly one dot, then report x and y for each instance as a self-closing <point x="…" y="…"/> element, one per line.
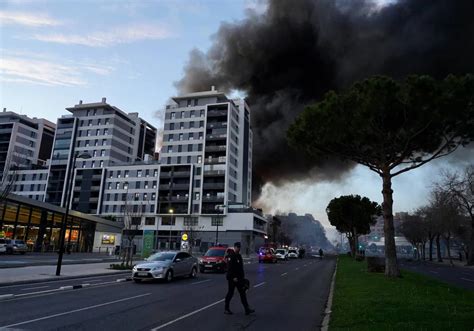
<point x="390" y="127"/>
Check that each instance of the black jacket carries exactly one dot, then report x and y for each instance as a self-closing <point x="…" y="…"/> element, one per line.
<point x="235" y="266"/>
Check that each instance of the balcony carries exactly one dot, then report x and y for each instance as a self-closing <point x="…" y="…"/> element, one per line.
<point x="176" y="174"/>
<point x="216" y="113"/>
<point x="211" y="137"/>
<point x="214" y="173"/>
<point x="174" y="199"/>
<point x="210" y="210"/>
<point x="215" y="160"/>
<point x="221" y="148"/>
<point x="213" y="199"/>
<point x="216" y="125"/>
<point x="174" y="187"/>
<point x="213" y="186"/>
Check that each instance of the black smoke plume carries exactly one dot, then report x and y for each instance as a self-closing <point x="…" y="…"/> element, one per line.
<point x="296" y="51"/>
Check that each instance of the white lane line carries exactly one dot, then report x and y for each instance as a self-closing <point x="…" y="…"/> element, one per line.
<point x="297" y="268"/>
<point x="284" y="274"/>
<point x="202" y="281"/>
<point x="63" y="280"/>
<point x="434" y="272"/>
<point x="74" y="311"/>
<point x="304" y="265"/>
<point x="187" y="315"/>
<point x="33" y="288"/>
<point x="260" y="284"/>
<point x="469" y="280"/>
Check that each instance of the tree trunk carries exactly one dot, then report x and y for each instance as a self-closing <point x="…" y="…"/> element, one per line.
<point x="470" y="259"/>
<point x="352" y="245"/>
<point x="391" y="264"/>
<point x="431" y="248"/>
<point x="438" y="248"/>
<point x="356" y="244"/>
<point x="423" y="248"/>
<point x="447" y="239"/>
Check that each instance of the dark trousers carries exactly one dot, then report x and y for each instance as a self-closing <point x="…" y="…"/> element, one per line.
<point x="230" y="293"/>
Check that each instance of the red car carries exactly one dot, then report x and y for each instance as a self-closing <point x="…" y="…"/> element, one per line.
<point x="214" y="260"/>
<point x="267" y="254"/>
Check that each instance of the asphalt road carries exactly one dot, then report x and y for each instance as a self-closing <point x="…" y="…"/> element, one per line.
<point x="289" y="295"/>
<point x="459" y="276"/>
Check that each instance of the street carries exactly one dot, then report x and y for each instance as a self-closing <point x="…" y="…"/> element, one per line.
<point x="285" y="295"/>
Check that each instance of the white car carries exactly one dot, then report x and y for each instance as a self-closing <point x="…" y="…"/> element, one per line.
<point x="293" y="254"/>
<point x="282" y="254"/>
<point x="3" y="246"/>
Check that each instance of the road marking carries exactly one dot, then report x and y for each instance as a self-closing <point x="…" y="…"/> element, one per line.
<point x="469" y="280"/>
<point x="73" y="311"/>
<point x="260" y="284"/>
<point x="284" y="274"/>
<point x="434" y="272"/>
<point x="304" y="265"/>
<point x="33" y="288"/>
<point x="297" y="268"/>
<point x="202" y="281"/>
<point x="187" y="315"/>
<point x="64" y="280"/>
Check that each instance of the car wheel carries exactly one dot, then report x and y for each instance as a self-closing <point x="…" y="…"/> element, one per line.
<point x="201" y="270"/>
<point x="169" y="276"/>
<point x="137" y="280"/>
<point x="193" y="273"/>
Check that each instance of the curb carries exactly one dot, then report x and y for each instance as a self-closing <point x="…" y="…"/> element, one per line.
<point x="45" y="280"/>
<point x="327" y="311"/>
<point x="41" y="264"/>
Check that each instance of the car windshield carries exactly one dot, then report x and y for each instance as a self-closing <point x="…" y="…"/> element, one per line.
<point x="162" y="257"/>
<point x="19" y="242"/>
<point x="215" y="252"/>
<point x="292" y="251"/>
<point x="280" y="251"/>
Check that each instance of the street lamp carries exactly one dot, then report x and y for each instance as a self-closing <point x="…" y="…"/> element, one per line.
<point x="170" y="211"/>
<point x="62" y="233"/>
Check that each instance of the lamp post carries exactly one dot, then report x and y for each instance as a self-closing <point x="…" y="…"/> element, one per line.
<point x="218" y="207"/>
<point x="62" y="233"/>
<point x="170" y="211"/>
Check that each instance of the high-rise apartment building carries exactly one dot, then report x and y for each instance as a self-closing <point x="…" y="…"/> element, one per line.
<point x="24" y="142"/>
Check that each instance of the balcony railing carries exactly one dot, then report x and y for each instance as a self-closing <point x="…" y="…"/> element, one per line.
<point x="215" y="113"/>
<point x="174" y="187"/>
<point x="214" y="160"/>
<point x="216" y="137"/>
<point x="213" y="199"/>
<point x="175" y="174"/>
<point x="216" y="148"/>
<point x="213" y="186"/>
<point x="214" y="173"/>
<point x="175" y="199"/>
<point x="216" y="125"/>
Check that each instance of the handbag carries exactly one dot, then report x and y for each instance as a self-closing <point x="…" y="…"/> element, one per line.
<point x="245" y="284"/>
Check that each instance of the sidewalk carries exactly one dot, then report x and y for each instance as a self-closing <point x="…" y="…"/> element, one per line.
<point x="38" y="274"/>
<point x="456" y="263"/>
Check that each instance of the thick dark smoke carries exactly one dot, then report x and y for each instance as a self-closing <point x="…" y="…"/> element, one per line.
<point x="298" y="50"/>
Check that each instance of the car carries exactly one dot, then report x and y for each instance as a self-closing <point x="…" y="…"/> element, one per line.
<point x="214" y="260"/>
<point x="293" y="253"/>
<point x="267" y="254"/>
<point x="16" y="246"/>
<point x="282" y="254"/>
<point x="166" y="266"/>
<point x="3" y="246"/>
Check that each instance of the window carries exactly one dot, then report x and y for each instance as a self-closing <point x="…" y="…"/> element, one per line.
<point x="84" y="164"/>
<point x="125" y="186"/>
<point x="149" y="221"/>
<point x="200" y="147"/>
<point x="192" y="114"/>
<point x="154" y="184"/>
<point x="145" y="196"/>
<point x="104" y="142"/>
<point x="202" y="112"/>
<point x="101" y="164"/>
<point x="190" y="221"/>
<point x="106" y="132"/>
<point x="153" y="196"/>
<point x="180" y="136"/>
<point x="136" y="220"/>
<point x="139" y="173"/>
<point x="88" y="112"/>
<point x="168" y="220"/>
<point x="182" y="114"/>
<point x="199" y="159"/>
<point x="146" y="185"/>
<point x="155" y="173"/>
<point x="102" y="152"/>
<point x="117" y="186"/>
<point x="96" y="143"/>
<point x="97" y="132"/>
<point x="87" y="143"/>
<point x="190" y="148"/>
<point x="201" y="136"/>
<point x="191" y="125"/>
<point x="107" y="121"/>
<point x="89" y="123"/>
<point x="197" y="183"/>
<point x="191" y="136"/>
<point x="181" y="125"/>
<point x="180" y="148"/>
<point x="197" y="196"/>
<point x="217" y="221"/>
<point x="189" y="159"/>
<point x="88" y="132"/>
<point x="170" y="149"/>
<point x="171" y="126"/>
<point x="147" y="173"/>
<point x="93" y="164"/>
<point x="111" y="175"/>
<point x="178" y="160"/>
<point x="94" y="153"/>
<point x="99" y="122"/>
<point x="119" y="174"/>
<point x="173" y="115"/>
<point x="34" y="176"/>
<point x="95" y="112"/>
<point x="137" y="185"/>
<point x="126" y="174"/>
<point x="136" y="196"/>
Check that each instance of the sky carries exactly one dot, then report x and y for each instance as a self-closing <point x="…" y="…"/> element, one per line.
<point x="55" y="53"/>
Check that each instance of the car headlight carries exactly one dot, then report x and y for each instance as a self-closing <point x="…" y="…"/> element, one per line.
<point x="135" y="268"/>
<point x="201" y="261"/>
<point x="157" y="269"/>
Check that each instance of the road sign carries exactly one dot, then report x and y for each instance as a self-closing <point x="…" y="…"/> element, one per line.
<point x="184" y="237"/>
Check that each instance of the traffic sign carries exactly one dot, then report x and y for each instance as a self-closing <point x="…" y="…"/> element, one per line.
<point x="184" y="237"/>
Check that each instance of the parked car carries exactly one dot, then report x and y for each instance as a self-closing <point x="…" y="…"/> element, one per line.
<point x="214" y="260"/>
<point x="293" y="253"/>
<point x="282" y="254"/>
<point x="267" y="255"/>
<point x="3" y="245"/>
<point x="16" y="246"/>
<point x="166" y="266"/>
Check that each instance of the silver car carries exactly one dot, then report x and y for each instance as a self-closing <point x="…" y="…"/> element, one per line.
<point x="166" y="265"/>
